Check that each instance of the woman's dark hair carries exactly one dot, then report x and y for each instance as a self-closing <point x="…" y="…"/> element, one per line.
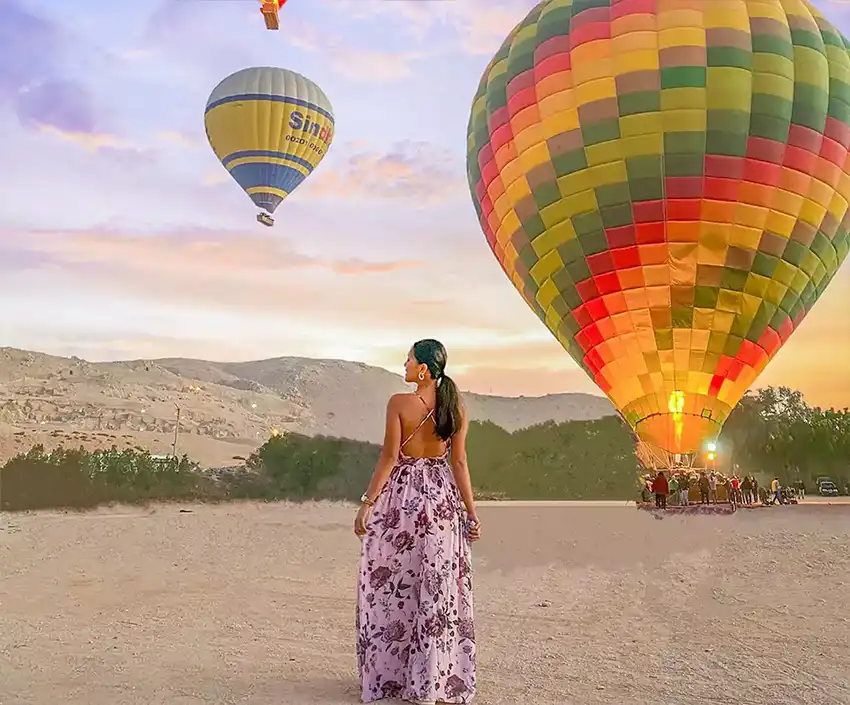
<point x="432" y="354"/>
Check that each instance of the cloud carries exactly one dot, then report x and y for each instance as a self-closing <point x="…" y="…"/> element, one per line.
<point x="413" y="171"/>
<point x="359" y="64"/>
<point x="477" y="26"/>
<point x="248" y="274"/>
<point x="215" y="177"/>
<point x="198" y="39"/>
<point x="14" y="259"/>
<point x="185" y="23"/>
<point x="210" y="254"/>
<point x="57" y="102"/>
<point x="91" y="141"/>
<point x="181" y="139"/>
<point x="29" y="48"/>
<point x="372" y="66"/>
<point x="482" y="31"/>
<point x="33" y="79"/>
<point x="35" y="83"/>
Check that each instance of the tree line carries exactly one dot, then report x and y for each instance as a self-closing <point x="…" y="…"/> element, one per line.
<point x="771" y="432"/>
<point x="774" y="432"/>
<point x="578" y="459"/>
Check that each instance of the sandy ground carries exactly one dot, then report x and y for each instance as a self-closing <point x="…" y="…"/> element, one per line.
<point x="253" y="604"/>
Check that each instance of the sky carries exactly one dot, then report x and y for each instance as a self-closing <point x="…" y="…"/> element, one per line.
<point x="122" y="236"/>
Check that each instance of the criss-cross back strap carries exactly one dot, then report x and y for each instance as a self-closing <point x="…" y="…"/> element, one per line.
<point x="421" y="423"/>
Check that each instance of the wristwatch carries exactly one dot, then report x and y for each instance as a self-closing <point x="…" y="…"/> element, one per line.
<point x="364" y="499"/>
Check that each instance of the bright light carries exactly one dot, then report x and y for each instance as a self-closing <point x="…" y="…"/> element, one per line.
<point x="712" y="455"/>
<point x="676" y="402"/>
<point x="712" y="447"/>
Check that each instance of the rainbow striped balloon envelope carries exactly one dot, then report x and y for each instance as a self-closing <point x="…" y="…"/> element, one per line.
<point x="666" y="184"/>
<point x="270" y="128"/>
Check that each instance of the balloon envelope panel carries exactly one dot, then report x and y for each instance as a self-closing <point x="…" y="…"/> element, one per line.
<point x="270" y="128"/>
<point x="666" y="184"/>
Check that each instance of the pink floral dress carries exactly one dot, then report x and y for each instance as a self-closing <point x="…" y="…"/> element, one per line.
<point x="415" y="631"/>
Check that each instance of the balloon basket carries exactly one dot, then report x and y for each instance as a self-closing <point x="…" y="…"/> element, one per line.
<point x="265" y="219"/>
<point x="270" y="15"/>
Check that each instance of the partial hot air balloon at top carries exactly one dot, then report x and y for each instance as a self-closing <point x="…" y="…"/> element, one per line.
<point x="270" y="128"/>
<point x="666" y="184"/>
<point x="270" y="10"/>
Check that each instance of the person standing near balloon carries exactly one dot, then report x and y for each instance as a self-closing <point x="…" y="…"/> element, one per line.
<point x="415" y="628"/>
<point x="661" y="489"/>
<point x="684" y="488"/>
<point x="704" y="488"/>
<point x="673" y="488"/>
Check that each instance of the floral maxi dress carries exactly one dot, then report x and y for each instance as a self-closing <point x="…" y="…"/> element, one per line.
<point x="415" y="631"/>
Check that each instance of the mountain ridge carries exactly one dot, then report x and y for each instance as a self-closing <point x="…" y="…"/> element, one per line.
<point x="226" y="408"/>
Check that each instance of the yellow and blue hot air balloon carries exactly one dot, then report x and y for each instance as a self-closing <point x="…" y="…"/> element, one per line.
<point x="270" y="128"/>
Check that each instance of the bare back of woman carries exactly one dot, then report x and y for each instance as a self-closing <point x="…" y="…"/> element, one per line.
<point x="419" y="434"/>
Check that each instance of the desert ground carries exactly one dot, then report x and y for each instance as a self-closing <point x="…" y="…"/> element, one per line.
<point x="594" y="604"/>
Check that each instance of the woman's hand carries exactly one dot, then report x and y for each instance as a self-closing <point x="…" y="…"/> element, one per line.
<point x="474" y="527"/>
<point x="362" y="519"/>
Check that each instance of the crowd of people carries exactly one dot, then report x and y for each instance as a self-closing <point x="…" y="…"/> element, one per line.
<point x="684" y="487"/>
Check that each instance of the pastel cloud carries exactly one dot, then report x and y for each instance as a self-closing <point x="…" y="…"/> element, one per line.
<point x="28" y="48"/>
<point x="478" y="26"/>
<point x="32" y="76"/>
<point x="61" y="103"/>
<point x="372" y="66"/>
<point x="212" y="253"/>
<point x="364" y="65"/>
<point x="201" y="42"/>
<point x="91" y="141"/>
<point x="416" y="171"/>
<point x="244" y="274"/>
<point x="177" y="138"/>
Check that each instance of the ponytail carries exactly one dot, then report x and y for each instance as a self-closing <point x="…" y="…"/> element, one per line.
<point x="447" y="408"/>
<point x="432" y="354"/>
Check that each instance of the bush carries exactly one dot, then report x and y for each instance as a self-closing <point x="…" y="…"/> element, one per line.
<point x="79" y="479"/>
<point x="573" y="460"/>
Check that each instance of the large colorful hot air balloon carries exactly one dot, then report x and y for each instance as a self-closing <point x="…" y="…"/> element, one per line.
<point x="270" y="128"/>
<point x="666" y="184"/>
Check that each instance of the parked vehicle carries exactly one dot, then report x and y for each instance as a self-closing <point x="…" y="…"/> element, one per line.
<point x="827" y="488"/>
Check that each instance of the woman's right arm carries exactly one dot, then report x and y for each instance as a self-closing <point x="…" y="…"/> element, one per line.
<point x="460" y="468"/>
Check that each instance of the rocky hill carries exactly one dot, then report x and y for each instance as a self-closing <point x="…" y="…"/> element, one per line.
<point x="225" y="408"/>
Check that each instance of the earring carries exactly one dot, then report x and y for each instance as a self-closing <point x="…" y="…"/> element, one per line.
<point x="421" y="376"/>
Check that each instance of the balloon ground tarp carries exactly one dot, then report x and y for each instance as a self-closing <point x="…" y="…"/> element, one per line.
<point x="666" y="184"/>
<point x="698" y="509"/>
<point x="721" y="509"/>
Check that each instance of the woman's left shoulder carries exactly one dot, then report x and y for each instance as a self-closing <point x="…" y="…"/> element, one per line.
<point x="397" y="401"/>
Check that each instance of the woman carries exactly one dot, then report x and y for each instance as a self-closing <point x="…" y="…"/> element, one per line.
<point x="415" y="632"/>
